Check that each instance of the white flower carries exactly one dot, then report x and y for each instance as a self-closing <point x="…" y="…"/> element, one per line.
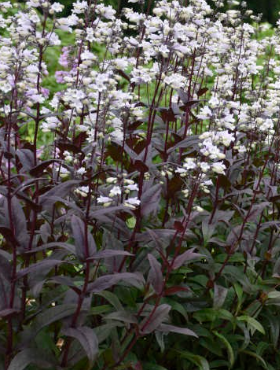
<point x="205" y="113"/>
<point x="81" y="171"/>
<point x="189" y="164"/>
<point x="132" y="187"/>
<point x="111" y="180"/>
<point x="163" y="50"/>
<point x="103" y="200"/>
<point x="219" y="168"/>
<point x="176" y="81"/>
<point x="116" y="190"/>
<point x="266" y="125"/>
<point x="225" y="137"/>
<point x="5" y="87"/>
<point x="181" y="171"/>
<point x="87" y="55"/>
<point x="204" y="166"/>
<point x="82" y="190"/>
<point x="54" y="39"/>
<point x="90" y="36"/>
<point x="50" y="124"/>
<point x="33" y="3"/>
<point x="57" y="7"/>
<point x="140" y="76"/>
<point x="106" y="11"/>
<point x="80" y="7"/>
<point x="6" y="4"/>
<point x="132" y="202"/>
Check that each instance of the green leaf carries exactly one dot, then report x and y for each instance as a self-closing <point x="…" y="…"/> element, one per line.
<point x="152" y="366"/>
<point x="253" y="354"/>
<point x="211" y="314"/>
<point x="239" y="292"/>
<point x="200" y="361"/>
<point x="274" y="322"/>
<point x="252" y="323"/>
<point x="111" y="298"/>
<point x="228" y="347"/>
<point x="100" y="309"/>
<point x="131" y="222"/>
<point x="273" y="295"/>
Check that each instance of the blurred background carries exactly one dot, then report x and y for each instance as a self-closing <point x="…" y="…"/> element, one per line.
<point x="269" y="8"/>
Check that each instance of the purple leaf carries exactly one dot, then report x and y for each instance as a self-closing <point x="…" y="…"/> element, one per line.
<point x="39" y="169"/>
<point x="107" y="281"/>
<point x="8" y="312"/>
<point x="187" y="256"/>
<point x="83" y="251"/>
<point x="69" y="247"/>
<point x="49" y="316"/>
<point x="202" y="91"/>
<point x="31" y="356"/>
<point x="38" y="266"/>
<point x="122" y="316"/>
<point x="191" y="141"/>
<point x="67" y="281"/>
<point x="60" y="190"/>
<point x="26" y="158"/>
<point x="87" y="338"/>
<point x="155" y="275"/>
<point x="150" y="200"/>
<point x="19" y="221"/>
<point x="153" y="321"/>
<point x="175" y="329"/>
<point x="107" y="253"/>
<point x="256" y="210"/>
<point x="109" y="210"/>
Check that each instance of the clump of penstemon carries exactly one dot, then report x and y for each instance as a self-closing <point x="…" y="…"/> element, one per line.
<point x="139" y="151"/>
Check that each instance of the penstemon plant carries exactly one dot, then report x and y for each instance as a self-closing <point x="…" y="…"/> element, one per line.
<point x="139" y="179"/>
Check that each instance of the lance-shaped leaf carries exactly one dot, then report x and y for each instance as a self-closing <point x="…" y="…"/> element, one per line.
<point x="69" y="247"/>
<point x="87" y="338"/>
<point x="107" y="281"/>
<point x="39" y="169"/>
<point x="122" y="316"/>
<point x="19" y="221"/>
<point x="45" y="264"/>
<point x="228" y="347"/>
<point x="199" y="361"/>
<point x="84" y="248"/>
<point x="155" y="275"/>
<point x="60" y="190"/>
<point x="155" y="319"/>
<point x="26" y="158"/>
<point x="150" y="200"/>
<point x="31" y="356"/>
<point x="187" y="256"/>
<point x="256" y="211"/>
<point x="8" y="312"/>
<point x="176" y="329"/>
<point x="107" y="253"/>
<point x="46" y="318"/>
<point x="252" y="323"/>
